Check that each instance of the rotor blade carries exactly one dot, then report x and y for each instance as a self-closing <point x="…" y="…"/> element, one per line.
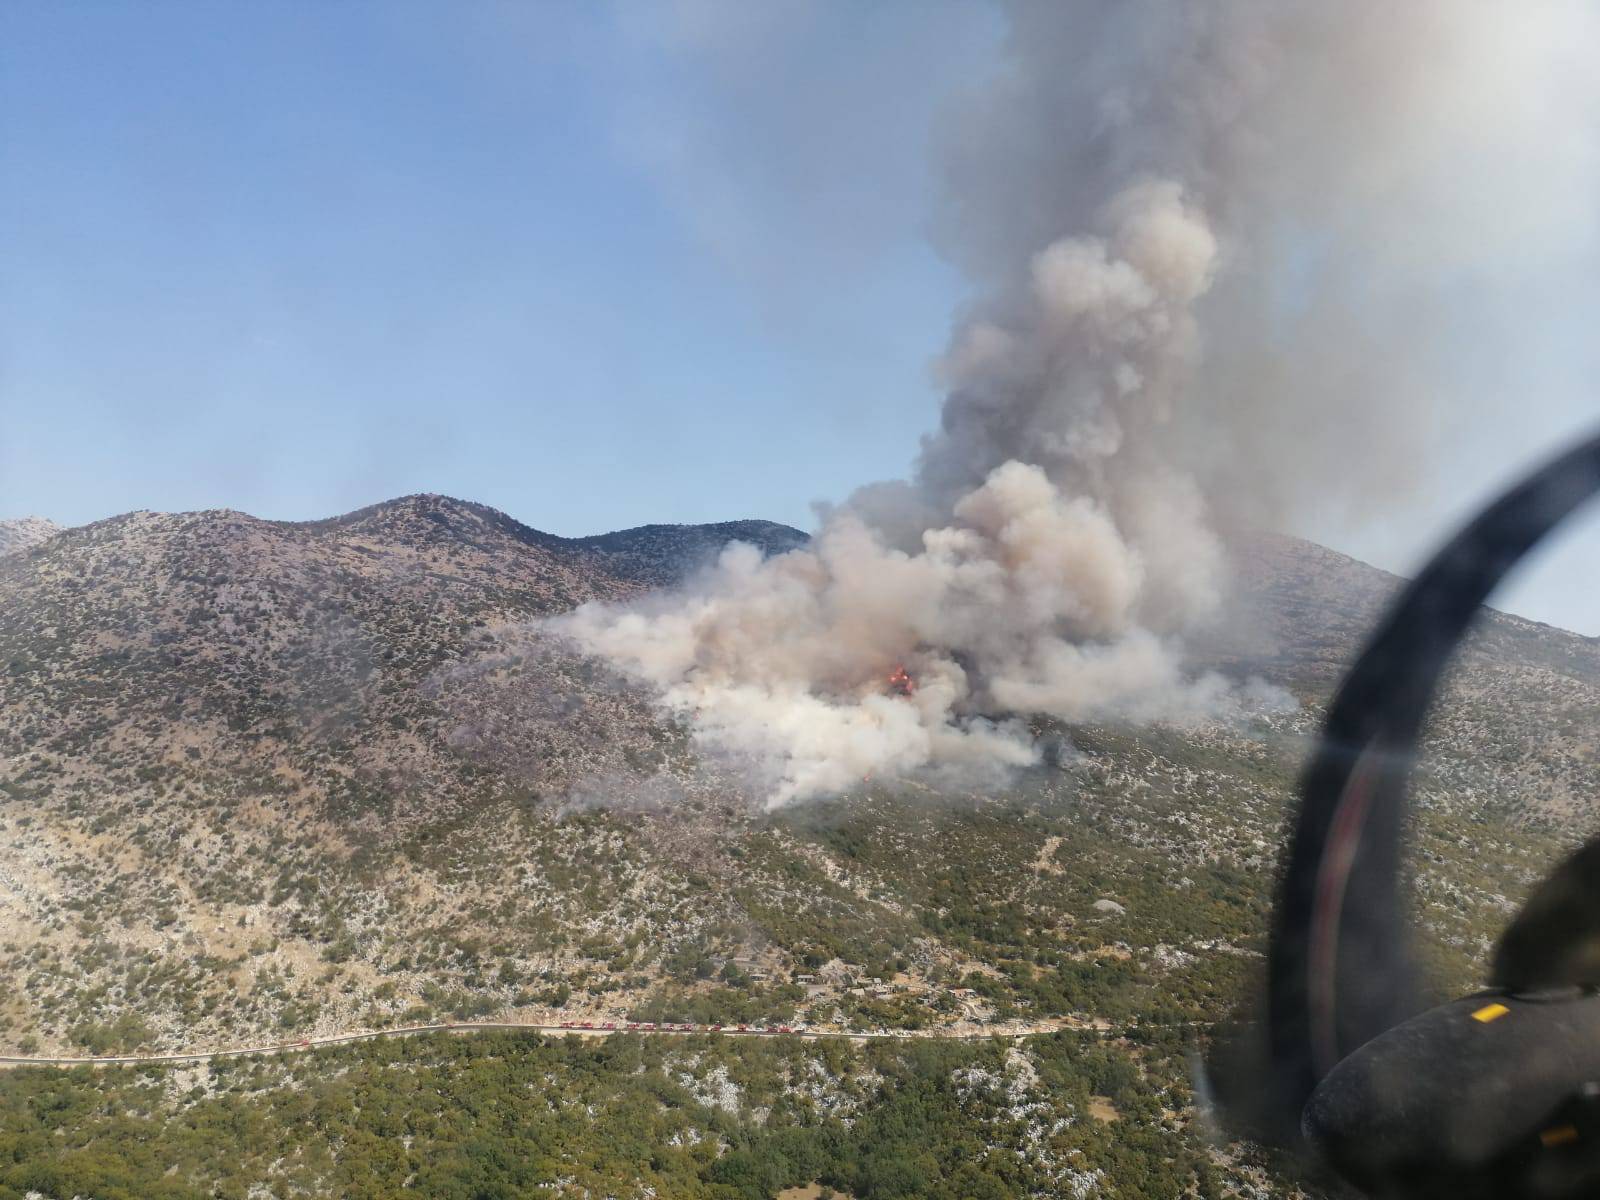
<point x="1339" y="967"/>
<point x="1554" y="941"/>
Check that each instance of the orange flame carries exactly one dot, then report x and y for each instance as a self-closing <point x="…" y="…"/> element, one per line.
<point x="901" y="683"/>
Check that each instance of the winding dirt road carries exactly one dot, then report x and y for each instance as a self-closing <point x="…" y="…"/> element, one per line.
<point x="570" y="1028"/>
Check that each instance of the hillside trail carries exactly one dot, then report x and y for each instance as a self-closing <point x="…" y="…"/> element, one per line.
<point x="1010" y="1032"/>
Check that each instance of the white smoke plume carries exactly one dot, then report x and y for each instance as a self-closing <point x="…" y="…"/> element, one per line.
<point x="1159" y="205"/>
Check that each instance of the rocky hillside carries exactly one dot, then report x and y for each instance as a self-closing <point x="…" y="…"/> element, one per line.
<point x="362" y="664"/>
<point x="1515" y="727"/>
<point x="218" y="732"/>
<point x="24" y="533"/>
<point x="379" y="667"/>
<point x="261" y="778"/>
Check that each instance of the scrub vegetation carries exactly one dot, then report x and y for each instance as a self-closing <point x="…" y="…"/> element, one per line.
<point x="260" y="782"/>
<point x="503" y="1115"/>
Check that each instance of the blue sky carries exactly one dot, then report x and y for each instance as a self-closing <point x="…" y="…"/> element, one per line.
<point x="295" y="258"/>
<point x="596" y="264"/>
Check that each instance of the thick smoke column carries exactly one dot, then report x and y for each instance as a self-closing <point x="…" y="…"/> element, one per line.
<point x="1112" y="195"/>
<point x="1033" y="566"/>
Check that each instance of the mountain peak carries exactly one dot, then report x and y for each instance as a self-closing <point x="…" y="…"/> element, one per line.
<point x="649" y="554"/>
<point x="662" y="554"/>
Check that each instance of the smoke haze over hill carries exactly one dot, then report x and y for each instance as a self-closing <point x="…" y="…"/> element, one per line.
<point x="1137" y="362"/>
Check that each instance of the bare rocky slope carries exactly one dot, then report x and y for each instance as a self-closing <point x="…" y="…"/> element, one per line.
<point x="1515" y="727"/>
<point x="368" y="664"/>
<point x="260" y="776"/>
<point x="22" y="533"/>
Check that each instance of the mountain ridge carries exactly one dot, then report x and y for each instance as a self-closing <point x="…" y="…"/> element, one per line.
<point x="360" y="615"/>
<point x="260" y="775"/>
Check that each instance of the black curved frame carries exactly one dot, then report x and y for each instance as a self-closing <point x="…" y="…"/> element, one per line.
<point x="1339" y="966"/>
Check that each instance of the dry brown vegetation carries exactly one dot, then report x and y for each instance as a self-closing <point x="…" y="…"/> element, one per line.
<point x="260" y="777"/>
